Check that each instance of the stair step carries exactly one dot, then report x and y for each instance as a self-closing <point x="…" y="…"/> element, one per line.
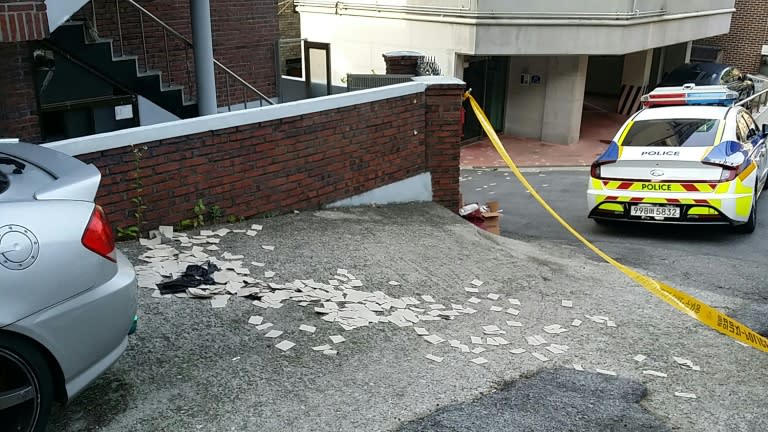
<point x="171" y="87"/>
<point x="150" y="72"/>
<point x="125" y="58"/>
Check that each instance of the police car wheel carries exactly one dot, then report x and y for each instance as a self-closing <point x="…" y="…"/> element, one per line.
<point x="751" y="224"/>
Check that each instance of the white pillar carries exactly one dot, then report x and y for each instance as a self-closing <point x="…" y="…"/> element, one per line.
<point x="564" y="100"/>
<point x="203" y="42"/>
<point x="634" y="80"/>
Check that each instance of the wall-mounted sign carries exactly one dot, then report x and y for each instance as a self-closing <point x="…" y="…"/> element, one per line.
<point x="123" y="112"/>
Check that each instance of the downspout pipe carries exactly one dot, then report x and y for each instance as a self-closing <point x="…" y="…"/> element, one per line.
<point x="202" y="40"/>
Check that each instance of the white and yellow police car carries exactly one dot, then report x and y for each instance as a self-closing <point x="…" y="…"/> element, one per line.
<point x="690" y="156"/>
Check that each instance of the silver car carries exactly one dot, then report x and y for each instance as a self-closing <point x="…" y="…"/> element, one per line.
<point x="67" y="295"/>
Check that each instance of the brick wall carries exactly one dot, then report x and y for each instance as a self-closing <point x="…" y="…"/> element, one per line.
<point x="749" y="32"/>
<point x="299" y="162"/>
<point x="443" y="142"/>
<point x="244" y="35"/>
<point x="290" y="28"/>
<point x="18" y="102"/>
<point x="23" y="20"/>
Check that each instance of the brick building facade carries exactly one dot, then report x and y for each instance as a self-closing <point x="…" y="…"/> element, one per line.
<point x="244" y="34"/>
<point x="742" y="46"/>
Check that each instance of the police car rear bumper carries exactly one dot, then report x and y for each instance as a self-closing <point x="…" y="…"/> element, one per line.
<point x="695" y="208"/>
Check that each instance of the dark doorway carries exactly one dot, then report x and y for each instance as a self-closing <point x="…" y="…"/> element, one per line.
<point x="487" y="77"/>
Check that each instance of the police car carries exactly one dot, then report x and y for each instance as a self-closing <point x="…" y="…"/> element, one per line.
<point x="690" y="156"/>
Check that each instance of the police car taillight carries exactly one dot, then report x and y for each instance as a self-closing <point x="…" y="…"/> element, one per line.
<point x="609" y="156"/>
<point x="690" y="94"/>
<point x="595" y="169"/>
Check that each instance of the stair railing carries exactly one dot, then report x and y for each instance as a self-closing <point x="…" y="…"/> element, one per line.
<point x="247" y="89"/>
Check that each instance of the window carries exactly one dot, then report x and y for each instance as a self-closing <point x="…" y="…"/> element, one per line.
<point x="672" y="133"/>
<point x="746" y="122"/>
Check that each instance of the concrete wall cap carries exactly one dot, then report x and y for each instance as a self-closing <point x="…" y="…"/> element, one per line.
<point x="441" y="80"/>
<point x="403" y="54"/>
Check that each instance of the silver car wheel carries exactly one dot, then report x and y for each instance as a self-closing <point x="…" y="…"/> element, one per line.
<point x="19" y="393"/>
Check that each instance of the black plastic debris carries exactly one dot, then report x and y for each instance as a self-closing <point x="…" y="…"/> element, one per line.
<point x="193" y="276"/>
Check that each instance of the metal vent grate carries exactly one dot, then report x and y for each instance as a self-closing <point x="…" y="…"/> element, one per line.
<point x="368" y="81"/>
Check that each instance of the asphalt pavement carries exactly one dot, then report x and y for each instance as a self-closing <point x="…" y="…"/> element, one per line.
<point x="728" y="269"/>
<point x="192" y="367"/>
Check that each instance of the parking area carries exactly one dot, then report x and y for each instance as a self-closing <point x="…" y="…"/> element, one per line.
<point x="195" y="367"/>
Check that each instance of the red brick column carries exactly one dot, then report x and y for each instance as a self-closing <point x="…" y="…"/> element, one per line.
<point x="18" y="102"/>
<point x="402" y="62"/>
<point x="443" y="138"/>
<point x="23" y="20"/>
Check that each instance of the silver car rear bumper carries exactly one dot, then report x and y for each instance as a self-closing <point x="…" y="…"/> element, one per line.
<point x="87" y="333"/>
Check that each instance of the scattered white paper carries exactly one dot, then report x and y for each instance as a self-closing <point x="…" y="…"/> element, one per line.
<point x="264" y="326"/>
<point x="330" y="352"/>
<point x="285" y="345"/>
<point x="541" y="357"/>
<point x="514" y="324"/>
<point x="578" y="367"/>
<point x="307" y="328"/>
<point x="255" y="320"/>
<point x="686" y="364"/>
<point x="428" y="298"/>
<point x="493" y="296"/>
<point x="421" y="331"/>
<point x="567" y="303"/>
<point x="639" y="358"/>
<point x="477" y="282"/>
<point x="471" y="290"/>
<point x="434" y="358"/>
<point x="273" y="333"/>
<point x="433" y="339"/>
<point x="337" y="339"/>
<point x="605" y="372"/>
<point x="517" y="350"/>
<point x="269" y="248"/>
<point x="496" y="309"/>
<point x="479" y="360"/>
<point x="514" y="301"/>
<point x="474" y="300"/>
<point x="321" y="348"/>
<point x="478" y="350"/>
<point x="685" y="395"/>
<point x="576" y="323"/>
<point x="394" y="283"/>
<point x="655" y="373"/>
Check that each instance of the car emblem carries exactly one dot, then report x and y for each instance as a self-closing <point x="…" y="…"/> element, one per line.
<point x="657" y="172"/>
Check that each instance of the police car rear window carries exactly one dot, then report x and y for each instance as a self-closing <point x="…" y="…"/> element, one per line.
<point x="672" y="133"/>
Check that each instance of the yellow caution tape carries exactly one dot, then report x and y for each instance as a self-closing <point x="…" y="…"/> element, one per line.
<point x="681" y="301"/>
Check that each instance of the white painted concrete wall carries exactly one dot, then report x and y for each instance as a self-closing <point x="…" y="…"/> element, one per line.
<point x="550" y="111"/>
<point x="358" y="43"/>
<point x="150" y="113"/>
<point x="60" y="10"/>
<point x="413" y="189"/>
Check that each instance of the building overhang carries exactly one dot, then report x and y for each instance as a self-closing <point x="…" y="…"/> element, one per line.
<point x="497" y="32"/>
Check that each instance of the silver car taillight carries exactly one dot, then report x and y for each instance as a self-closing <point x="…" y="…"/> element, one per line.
<point x="98" y="236"/>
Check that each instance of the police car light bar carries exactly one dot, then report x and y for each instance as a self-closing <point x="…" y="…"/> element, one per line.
<point x="689" y="94"/>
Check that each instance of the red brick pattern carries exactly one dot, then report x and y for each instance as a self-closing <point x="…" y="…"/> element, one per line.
<point x="443" y="142"/>
<point x="244" y="35"/>
<point x="23" y="20"/>
<point x="18" y="102"/>
<point x="298" y="162"/>
<point x="401" y="64"/>
<point x="749" y="32"/>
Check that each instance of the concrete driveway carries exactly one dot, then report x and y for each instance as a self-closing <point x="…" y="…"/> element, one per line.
<point x="192" y="367"/>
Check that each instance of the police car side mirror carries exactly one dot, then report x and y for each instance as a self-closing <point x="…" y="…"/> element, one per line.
<point x="765" y="129"/>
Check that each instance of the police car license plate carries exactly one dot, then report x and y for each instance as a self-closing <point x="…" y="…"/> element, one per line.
<point x="655" y="211"/>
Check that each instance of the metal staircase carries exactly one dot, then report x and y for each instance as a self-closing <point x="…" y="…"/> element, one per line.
<point x="163" y="79"/>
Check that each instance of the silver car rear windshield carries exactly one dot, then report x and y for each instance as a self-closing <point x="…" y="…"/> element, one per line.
<point x="672" y="133"/>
